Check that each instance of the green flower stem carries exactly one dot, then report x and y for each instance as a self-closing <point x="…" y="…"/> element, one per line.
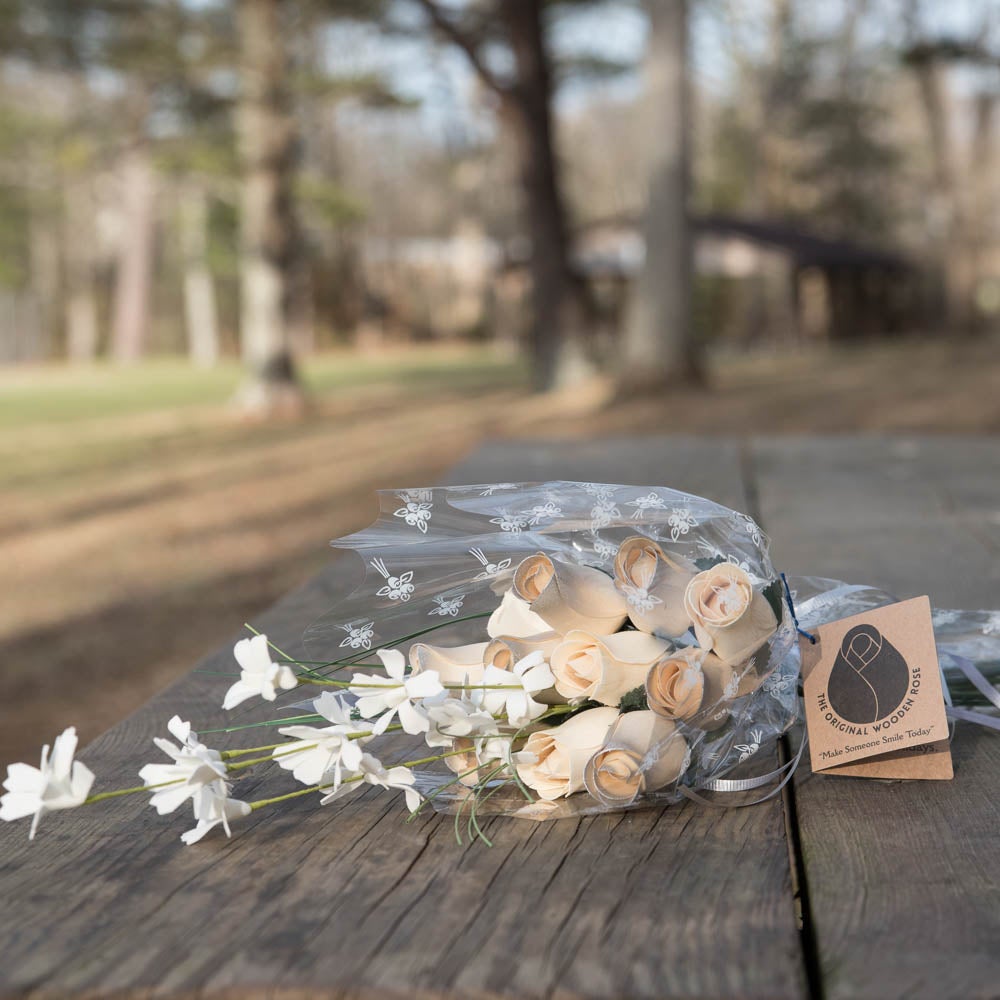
<point x="273" y="756"/>
<point x="260" y="803"/>
<point x="449" y="687"/>
<point x="313" y="717"/>
<point x="344" y="661"/>
<point x="230" y="754"/>
<point x="101" y="796"/>
<point x="430" y="760"/>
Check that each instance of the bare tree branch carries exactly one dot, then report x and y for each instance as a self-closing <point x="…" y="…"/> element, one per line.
<point x="455" y="34"/>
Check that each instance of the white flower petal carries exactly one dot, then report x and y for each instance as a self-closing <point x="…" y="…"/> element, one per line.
<point x="393" y="661"/>
<point x="413" y="720"/>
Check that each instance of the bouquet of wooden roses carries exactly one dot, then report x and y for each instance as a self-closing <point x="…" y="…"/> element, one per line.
<point x="539" y="650"/>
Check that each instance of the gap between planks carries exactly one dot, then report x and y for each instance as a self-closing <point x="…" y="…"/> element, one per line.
<point x="796" y="861"/>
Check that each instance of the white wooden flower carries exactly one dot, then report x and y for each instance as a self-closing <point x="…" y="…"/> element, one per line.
<point x="59" y="782"/>
<point x="318" y="753"/>
<point x="371" y="771"/>
<point x="260" y="676"/>
<point x="457" y="718"/>
<point x="194" y="767"/>
<point x="381" y="698"/>
<point x="214" y="807"/>
<point x="509" y="692"/>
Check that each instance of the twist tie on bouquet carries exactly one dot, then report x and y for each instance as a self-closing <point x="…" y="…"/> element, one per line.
<point x="791" y="608"/>
<point x="981" y="684"/>
<point x="736" y="785"/>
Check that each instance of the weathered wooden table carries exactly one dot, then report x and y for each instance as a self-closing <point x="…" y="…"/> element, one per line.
<point x="843" y="888"/>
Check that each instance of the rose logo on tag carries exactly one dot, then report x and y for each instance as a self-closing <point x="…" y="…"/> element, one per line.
<point x="869" y="677"/>
<point x="872" y="693"/>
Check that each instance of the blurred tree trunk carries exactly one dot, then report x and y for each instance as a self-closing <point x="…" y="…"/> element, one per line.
<point x="560" y="314"/>
<point x="945" y="200"/>
<point x="659" y="345"/>
<point x="952" y="198"/>
<point x="765" y="96"/>
<point x="81" y="298"/>
<point x="983" y="189"/>
<point x="199" y="289"/>
<point x="44" y="252"/>
<point x="302" y="318"/>
<point x="134" y="272"/>
<point x="267" y="232"/>
<point x="561" y="311"/>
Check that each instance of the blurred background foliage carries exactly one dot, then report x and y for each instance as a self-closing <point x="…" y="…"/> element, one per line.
<point x="272" y="178"/>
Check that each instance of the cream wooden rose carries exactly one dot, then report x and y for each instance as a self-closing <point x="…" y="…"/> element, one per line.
<point x="453" y="663"/>
<point x="653" y="584"/>
<point x="692" y="685"/>
<point x="505" y="650"/>
<point x="603" y="668"/>
<point x="553" y="760"/>
<point x="515" y="618"/>
<point x="568" y="596"/>
<point x="643" y="753"/>
<point x="730" y="618"/>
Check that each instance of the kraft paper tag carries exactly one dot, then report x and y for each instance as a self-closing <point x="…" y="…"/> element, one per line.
<point x="873" y="698"/>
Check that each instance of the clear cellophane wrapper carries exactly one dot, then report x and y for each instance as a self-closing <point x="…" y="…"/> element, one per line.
<point x="445" y="557"/>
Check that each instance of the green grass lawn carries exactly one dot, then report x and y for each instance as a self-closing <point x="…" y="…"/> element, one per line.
<point x="60" y="394"/>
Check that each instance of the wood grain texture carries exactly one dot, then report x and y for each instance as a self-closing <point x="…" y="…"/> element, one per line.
<point x="354" y="902"/>
<point x="903" y="877"/>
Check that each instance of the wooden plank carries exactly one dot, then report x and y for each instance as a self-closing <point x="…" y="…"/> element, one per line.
<point x="353" y="901"/>
<point x="902" y="877"/>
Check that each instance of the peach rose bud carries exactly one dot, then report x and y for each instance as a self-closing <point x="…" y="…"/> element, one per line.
<point x="643" y="753"/>
<point x="691" y="685"/>
<point x="603" y="668"/>
<point x="453" y="663"/>
<point x="568" y="596"/>
<point x="514" y="617"/>
<point x="653" y="584"/>
<point x="730" y="618"/>
<point x="553" y="760"/>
